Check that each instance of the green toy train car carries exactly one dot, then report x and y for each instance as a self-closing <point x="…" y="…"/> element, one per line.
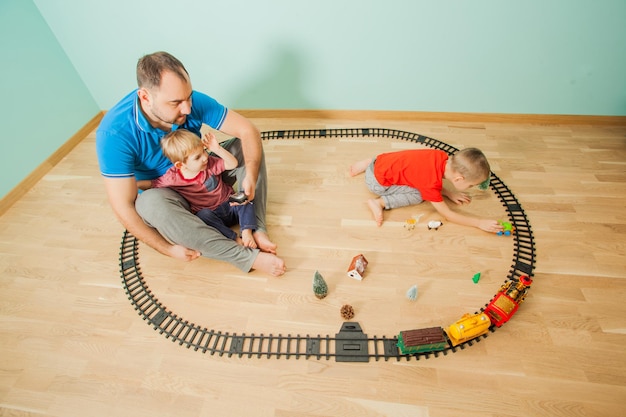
<point x="422" y="340"/>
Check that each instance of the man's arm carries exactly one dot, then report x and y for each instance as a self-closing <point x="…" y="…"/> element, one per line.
<point x="238" y="126"/>
<point x="122" y="193"/>
<point x="487" y="225"/>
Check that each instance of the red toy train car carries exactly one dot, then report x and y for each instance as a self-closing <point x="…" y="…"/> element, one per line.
<point x="506" y="302"/>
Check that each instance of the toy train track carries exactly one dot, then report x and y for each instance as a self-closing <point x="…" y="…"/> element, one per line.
<point x="350" y="344"/>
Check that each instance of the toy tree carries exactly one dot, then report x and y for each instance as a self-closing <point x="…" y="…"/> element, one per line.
<point x="320" y="289"/>
<point x="411" y="294"/>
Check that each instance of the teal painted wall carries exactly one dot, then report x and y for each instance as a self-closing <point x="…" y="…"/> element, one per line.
<point x="43" y="100"/>
<point x="64" y="60"/>
<point x="535" y="56"/>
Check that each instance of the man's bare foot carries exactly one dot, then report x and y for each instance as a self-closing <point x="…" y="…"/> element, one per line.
<point x="359" y="167"/>
<point x="377" y="206"/>
<point x="264" y="243"/>
<point x="270" y="264"/>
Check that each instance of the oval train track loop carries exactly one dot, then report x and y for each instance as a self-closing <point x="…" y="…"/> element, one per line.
<point x="318" y="347"/>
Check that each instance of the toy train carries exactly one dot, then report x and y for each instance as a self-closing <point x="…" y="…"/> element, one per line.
<point x="422" y="340"/>
<point x="507" y="300"/>
<point x="470" y="326"/>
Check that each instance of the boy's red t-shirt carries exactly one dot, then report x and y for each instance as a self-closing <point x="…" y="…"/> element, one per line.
<point x="418" y="168"/>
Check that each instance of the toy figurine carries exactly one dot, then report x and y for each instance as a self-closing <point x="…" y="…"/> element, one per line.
<point x="434" y="224"/>
<point x="410" y="223"/>
<point x="357" y="267"/>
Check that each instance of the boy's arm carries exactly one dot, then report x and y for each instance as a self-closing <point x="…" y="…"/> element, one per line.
<point x="487" y="225"/>
<point x="456" y="196"/>
<point x="211" y="143"/>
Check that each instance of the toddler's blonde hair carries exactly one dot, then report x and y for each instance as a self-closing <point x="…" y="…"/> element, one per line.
<point x="179" y="144"/>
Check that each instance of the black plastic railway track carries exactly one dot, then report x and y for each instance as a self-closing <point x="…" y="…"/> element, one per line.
<point x="350" y="344"/>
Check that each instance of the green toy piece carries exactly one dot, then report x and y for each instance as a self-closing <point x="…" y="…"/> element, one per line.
<point x="320" y="289"/>
<point x="476" y="277"/>
<point x="484" y="185"/>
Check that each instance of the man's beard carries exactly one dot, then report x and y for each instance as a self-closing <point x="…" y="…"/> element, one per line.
<point x="169" y="122"/>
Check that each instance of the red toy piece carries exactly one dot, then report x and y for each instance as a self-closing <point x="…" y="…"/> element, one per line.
<point x="507" y="300"/>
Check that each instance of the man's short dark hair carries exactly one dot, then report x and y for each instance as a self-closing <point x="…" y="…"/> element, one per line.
<point x="150" y="68"/>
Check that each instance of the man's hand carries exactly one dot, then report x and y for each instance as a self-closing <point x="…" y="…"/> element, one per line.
<point x="183" y="253"/>
<point x="248" y="186"/>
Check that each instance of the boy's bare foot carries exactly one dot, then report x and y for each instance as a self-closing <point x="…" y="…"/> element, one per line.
<point x="264" y="243"/>
<point x="270" y="264"/>
<point x="376" y="206"/>
<point x="359" y="167"/>
<point x="247" y="239"/>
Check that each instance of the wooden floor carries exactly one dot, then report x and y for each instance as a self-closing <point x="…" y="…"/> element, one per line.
<point x="71" y="344"/>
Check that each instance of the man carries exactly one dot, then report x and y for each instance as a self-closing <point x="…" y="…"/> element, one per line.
<point x="128" y="148"/>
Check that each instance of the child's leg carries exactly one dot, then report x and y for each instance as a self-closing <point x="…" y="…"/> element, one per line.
<point x="401" y="196"/>
<point x="376" y="206"/>
<point x="359" y="167"/>
<point x="247" y="224"/>
<point x="212" y="218"/>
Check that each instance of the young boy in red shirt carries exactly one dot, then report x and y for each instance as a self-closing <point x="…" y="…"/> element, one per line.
<point x="409" y="177"/>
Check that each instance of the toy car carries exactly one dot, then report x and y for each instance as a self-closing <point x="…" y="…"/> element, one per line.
<point x="507" y="228"/>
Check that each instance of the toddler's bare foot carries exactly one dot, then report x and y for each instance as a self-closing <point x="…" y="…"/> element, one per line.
<point x="359" y="167"/>
<point x="247" y="239"/>
<point x="264" y="243"/>
<point x="270" y="264"/>
<point x="376" y="207"/>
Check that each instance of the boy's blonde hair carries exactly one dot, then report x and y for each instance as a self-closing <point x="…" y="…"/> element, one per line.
<point x="179" y="144"/>
<point x="472" y="164"/>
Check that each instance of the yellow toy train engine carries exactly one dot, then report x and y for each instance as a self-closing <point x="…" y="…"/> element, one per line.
<point x="507" y="300"/>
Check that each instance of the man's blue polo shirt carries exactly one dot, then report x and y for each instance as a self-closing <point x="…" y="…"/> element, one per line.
<point x="128" y="146"/>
